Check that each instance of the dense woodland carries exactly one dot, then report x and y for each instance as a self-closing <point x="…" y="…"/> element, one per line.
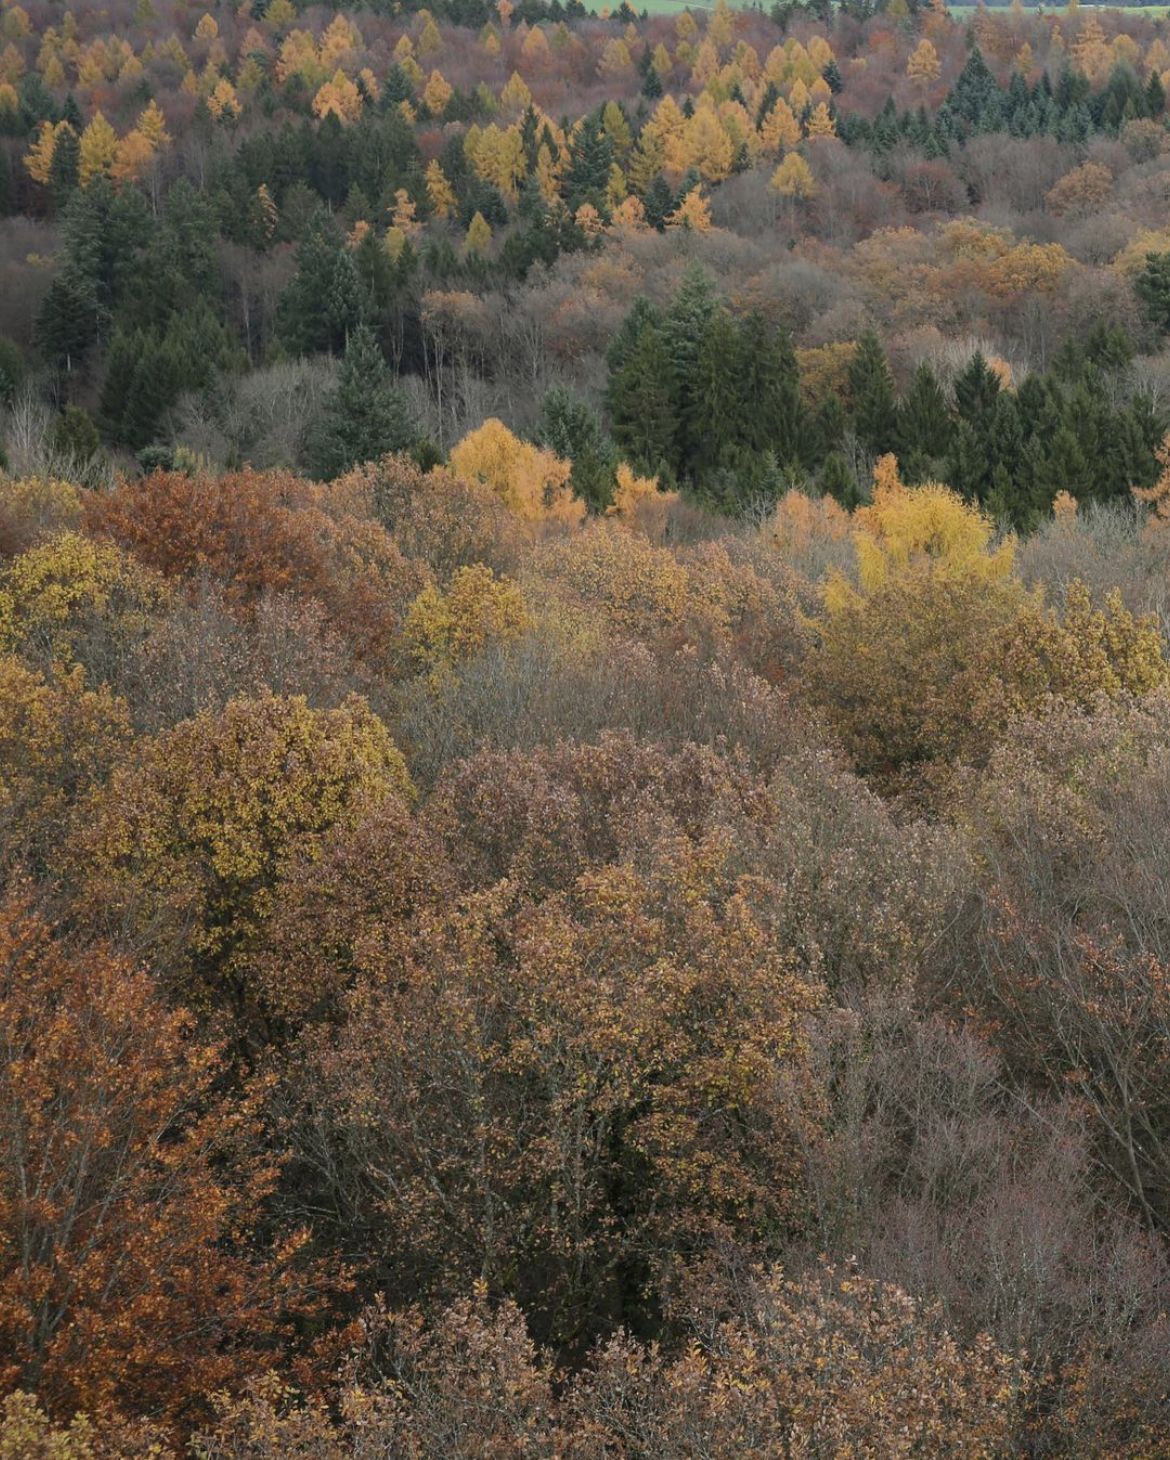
<point x="584" y="732"/>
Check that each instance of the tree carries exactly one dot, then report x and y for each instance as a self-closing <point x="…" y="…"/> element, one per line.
<point x="70" y="595"/>
<point x="532" y="482"/>
<point x="65" y="168"/>
<point x="58" y="740"/>
<point x="924" y="425"/>
<point x="97" y="150"/>
<point x="923" y="65"/>
<point x="367" y="416"/>
<point x="477" y="609"/>
<point x="131" y="1275"/>
<point x="641" y="402"/>
<point x="572" y="430"/>
<point x="68" y="322"/>
<point x="1152" y="286"/>
<point x="873" y="404"/>
<point x="479" y="236"/>
<point x="182" y="853"/>
<point x="325" y="301"/>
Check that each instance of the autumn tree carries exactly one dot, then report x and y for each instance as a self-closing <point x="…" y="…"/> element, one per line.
<point x="182" y="853"/>
<point x="532" y="482"/>
<point x="131" y="1278"/>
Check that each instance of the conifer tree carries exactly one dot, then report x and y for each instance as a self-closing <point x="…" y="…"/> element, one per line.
<point x="367" y="417"/>
<point x="871" y="391"/>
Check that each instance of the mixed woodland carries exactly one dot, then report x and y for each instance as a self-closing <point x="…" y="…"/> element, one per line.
<point x="584" y="732"/>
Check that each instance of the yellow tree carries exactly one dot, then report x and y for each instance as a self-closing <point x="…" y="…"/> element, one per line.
<point x="793" y="180"/>
<point x="135" y="153"/>
<point x="437" y="93"/>
<point x="339" y="97"/>
<point x="430" y="42"/>
<point x="99" y="146"/>
<point x="923" y="66"/>
<point x="439" y="191"/>
<point x="693" y="214"/>
<point x="515" y="96"/>
<point x="478" y="609"/>
<point x="38" y="161"/>
<point x="479" y="235"/>
<point x="530" y="480"/>
<point x="183" y="850"/>
<point x="821" y="126"/>
<point x="223" y="103"/>
<point x="153" y="125"/>
<point x="780" y="131"/>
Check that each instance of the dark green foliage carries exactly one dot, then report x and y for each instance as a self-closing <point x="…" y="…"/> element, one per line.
<point x="839" y="480"/>
<point x="75" y="436"/>
<point x="1152" y="287"/>
<point x="68" y="322"/>
<point x="326" y="300"/>
<point x="924" y="426"/>
<point x="12" y="370"/>
<point x="65" y="167"/>
<point x="873" y="404"/>
<point x="572" y="430"/>
<point x="367" y="417"/>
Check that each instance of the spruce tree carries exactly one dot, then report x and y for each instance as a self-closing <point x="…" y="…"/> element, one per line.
<point x="641" y="405"/>
<point x="871" y="392"/>
<point x="924" y="425"/>
<point x="367" y="416"/>
<point x="67" y="322"/>
<point x="684" y="329"/>
<point x="64" y="170"/>
<point x="768" y="385"/>
<point x="572" y="430"/>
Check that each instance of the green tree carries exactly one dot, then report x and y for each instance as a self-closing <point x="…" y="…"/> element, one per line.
<point x="871" y="391"/>
<point x="367" y="417"/>
<point x="924" y="425"/>
<point x="67" y="323"/>
<point x="569" y="428"/>
<point x="1152" y="287"/>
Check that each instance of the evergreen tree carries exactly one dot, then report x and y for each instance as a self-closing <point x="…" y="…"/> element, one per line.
<point x="839" y="481"/>
<point x="924" y="425"/>
<point x="715" y="407"/>
<point x="67" y="323"/>
<point x="977" y="390"/>
<point x="367" y="416"/>
<point x="871" y="393"/>
<point x="64" y="170"/>
<point x="684" y="329"/>
<point x="641" y="404"/>
<point x="768" y="382"/>
<point x="325" y="301"/>
<point x="659" y="203"/>
<point x="569" y="428"/>
<point x="590" y="160"/>
<point x="1152" y="287"/>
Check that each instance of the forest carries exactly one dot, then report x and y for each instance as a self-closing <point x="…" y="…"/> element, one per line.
<point x="584" y="731"/>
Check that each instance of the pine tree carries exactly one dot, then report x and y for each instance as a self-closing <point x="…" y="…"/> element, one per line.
<point x="924" y="425"/>
<point x="839" y="481"/>
<point x="367" y="417"/>
<point x="641" y="405"/>
<point x="67" y="322"/>
<point x="768" y="381"/>
<point x="65" y="168"/>
<point x="684" y="329"/>
<point x="570" y="429"/>
<point x="871" y="391"/>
